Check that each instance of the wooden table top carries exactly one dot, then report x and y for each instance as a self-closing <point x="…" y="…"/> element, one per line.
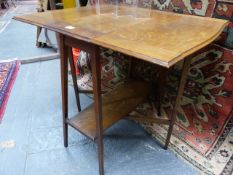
<point x="163" y="39"/>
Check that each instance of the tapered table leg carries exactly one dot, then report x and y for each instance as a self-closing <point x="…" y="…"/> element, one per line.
<point x="64" y="85"/>
<point x="96" y="76"/>
<point x="74" y="78"/>
<point x="179" y="94"/>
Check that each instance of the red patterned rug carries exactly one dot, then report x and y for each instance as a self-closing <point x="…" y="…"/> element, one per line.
<point x="203" y="133"/>
<point x="8" y="73"/>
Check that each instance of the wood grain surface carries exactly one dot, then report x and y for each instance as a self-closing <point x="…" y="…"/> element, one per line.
<point x="163" y="39"/>
<point x="116" y="105"/>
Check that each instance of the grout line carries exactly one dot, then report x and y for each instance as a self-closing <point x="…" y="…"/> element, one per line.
<point x="4" y="15"/>
<point x="60" y="148"/>
<point x="30" y="125"/>
<point x="28" y="142"/>
<point x="5" y="26"/>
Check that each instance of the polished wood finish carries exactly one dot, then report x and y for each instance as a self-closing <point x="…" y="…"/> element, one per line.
<point x="182" y="81"/>
<point x="64" y="85"/>
<point x="163" y="39"/>
<point x="116" y="105"/>
<point x="98" y="108"/>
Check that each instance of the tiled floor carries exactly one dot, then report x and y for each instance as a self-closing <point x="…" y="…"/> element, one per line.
<point x="32" y="125"/>
<point x="18" y="39"/>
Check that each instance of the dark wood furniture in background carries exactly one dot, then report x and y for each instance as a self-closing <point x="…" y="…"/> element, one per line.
<point x="4" y="4"/>
<point x="50" y="5"/>
<point x="164" y="39"/>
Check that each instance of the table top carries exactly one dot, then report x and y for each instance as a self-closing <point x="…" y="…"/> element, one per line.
<point x="163" y="39"/>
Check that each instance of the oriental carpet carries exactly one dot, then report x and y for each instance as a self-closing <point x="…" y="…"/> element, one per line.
<point x="203" y="133"/>
<point x="8" y="73"/>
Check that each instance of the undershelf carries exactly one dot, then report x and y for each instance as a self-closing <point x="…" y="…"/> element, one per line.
<point x="116" y="105"/>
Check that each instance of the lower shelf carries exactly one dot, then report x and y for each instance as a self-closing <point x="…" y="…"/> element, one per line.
<point x="115" y="105"/>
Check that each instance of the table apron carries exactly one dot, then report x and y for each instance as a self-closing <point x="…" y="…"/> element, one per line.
<point x="77" y="43"/>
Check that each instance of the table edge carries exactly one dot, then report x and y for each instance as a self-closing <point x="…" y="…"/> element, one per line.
<point x="166" y="64"/>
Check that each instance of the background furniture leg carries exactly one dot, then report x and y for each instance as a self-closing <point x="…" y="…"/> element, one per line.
<point x="161" y="87"/>
<point x="179" y="94"/>
<point x="130" y="72"/>
<point x="96" y="76"/>
<point x="38" y="44"/>
<point x="74" y="78"/>
<point x="52" y="4"/>
<point x="64" y="85"/>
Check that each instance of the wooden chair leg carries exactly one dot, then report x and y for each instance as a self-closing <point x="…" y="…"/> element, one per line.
<point x="179" y="94"/>
<point x="48" y="42"/>
<point x="64" y="85"/>
<point x="38" y="44"/>
<point x="74" y="78"/>
<point x="161" y="87"/>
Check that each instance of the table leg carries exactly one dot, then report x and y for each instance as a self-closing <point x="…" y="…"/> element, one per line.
<point x="179" y="94"/>
<point x="38" y="31"/>
<point x="130" y="71"/>
<point x="64" y="85"/>
<point x="74" y="78"/>
<point x="96" y="76"/>
<point x="161" y="87"/>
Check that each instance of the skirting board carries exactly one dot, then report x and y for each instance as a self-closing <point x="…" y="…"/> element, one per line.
<point x="40" y="58"/>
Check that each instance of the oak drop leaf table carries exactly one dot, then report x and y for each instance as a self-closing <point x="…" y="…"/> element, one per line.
<point x="164" y="39"/>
